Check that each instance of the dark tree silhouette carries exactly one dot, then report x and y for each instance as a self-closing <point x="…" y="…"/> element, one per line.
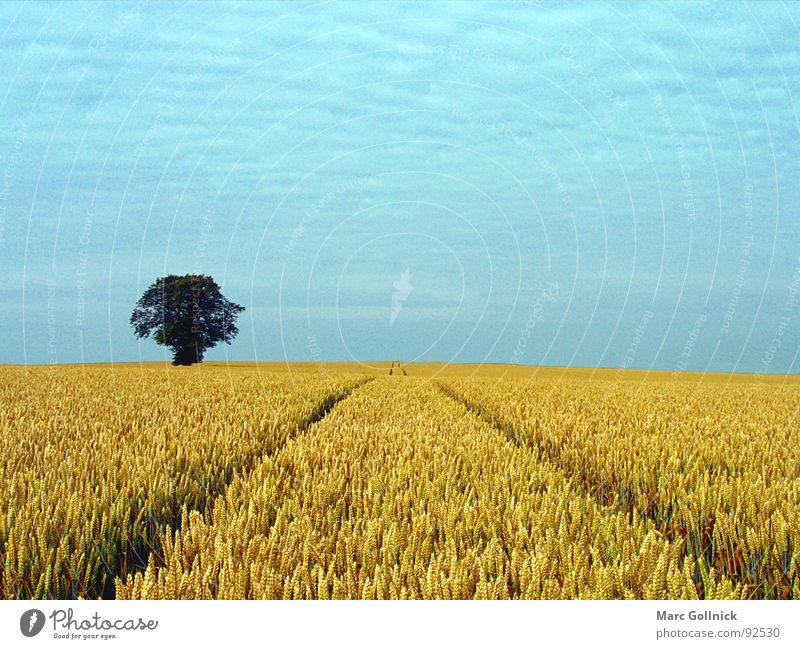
<point x="187" y="313"/>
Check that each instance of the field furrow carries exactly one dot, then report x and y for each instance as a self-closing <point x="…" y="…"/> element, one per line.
<point x="98" y="461"/>
<point x="401" y="492"/>
<point x="718" y="468"/>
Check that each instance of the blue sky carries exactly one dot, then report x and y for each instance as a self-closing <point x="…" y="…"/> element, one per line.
<point x="605" y="184"/>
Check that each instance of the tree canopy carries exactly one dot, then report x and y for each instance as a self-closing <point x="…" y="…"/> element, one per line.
<point x="187" y="313"/>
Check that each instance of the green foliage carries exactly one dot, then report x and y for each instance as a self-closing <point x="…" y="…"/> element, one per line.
<point x="186" y="313"/>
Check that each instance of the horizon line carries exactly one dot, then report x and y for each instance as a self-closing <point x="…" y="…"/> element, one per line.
<point x="431" y="362"/>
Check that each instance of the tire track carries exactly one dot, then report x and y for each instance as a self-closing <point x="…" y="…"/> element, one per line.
<point x="401" y="493"/>
<point x="154" y="551"/>
<point x="605" y="494"/>
<point x="608" y="496"/>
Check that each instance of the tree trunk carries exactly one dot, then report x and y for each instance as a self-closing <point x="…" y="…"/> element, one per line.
<point x="186" y="355"/>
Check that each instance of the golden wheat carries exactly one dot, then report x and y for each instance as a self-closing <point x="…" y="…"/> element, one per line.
<point x="401" y="492"/>
<point x="96" y="462"/>
<point x="215" y="482"/>
<point x="715" y="465"/>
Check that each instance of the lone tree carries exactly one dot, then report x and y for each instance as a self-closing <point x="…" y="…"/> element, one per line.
<point x="186" y="313"/>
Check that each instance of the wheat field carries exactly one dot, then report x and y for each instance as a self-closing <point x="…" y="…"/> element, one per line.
<point x="384" y="480"/>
